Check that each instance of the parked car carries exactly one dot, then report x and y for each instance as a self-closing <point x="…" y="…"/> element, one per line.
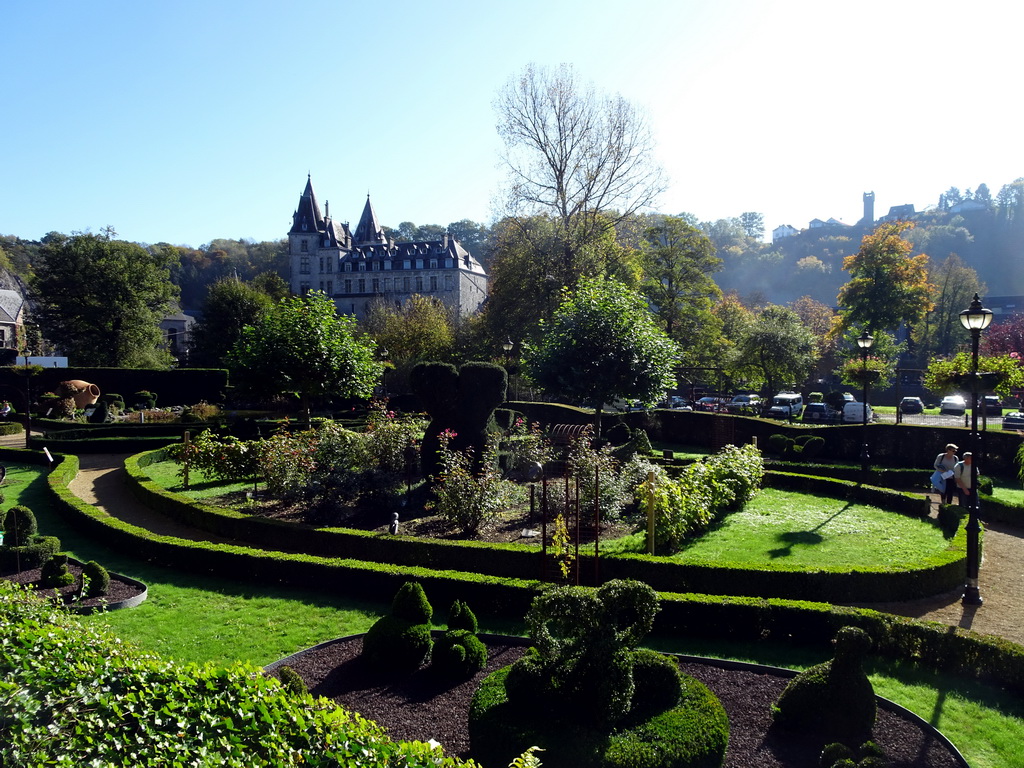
<point x="820" y="413"/>
<point x="953" y="404"/>
<point x="911" y="405"/>
<point x="991" y="406"/>
<point x="750" y="404"/>
<point x="710" y="403"/>
<point x="1014" y="420"/>
<point x="853" y="413"/>
<point x="786" y="405"/>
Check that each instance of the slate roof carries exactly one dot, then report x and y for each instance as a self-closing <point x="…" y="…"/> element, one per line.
<point x="307" y="217"/>
<point x="369" y="230"/>
<point x="11" y="303"/>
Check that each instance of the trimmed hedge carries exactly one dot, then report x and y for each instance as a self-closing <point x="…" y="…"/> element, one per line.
<point x="748" y="619"/>
<point x="940" y="573"/>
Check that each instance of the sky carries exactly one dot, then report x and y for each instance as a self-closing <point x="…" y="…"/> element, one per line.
<point x="192" y="120"/>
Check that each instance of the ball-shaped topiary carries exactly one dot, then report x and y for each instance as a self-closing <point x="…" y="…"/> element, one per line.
<point x="833" y="753"/>
<point x="55" y="574"/>
<point x="395" y="647"/>
<point x="20" y="526"/>
<point x="834" y="699"/>
<point x="657" y="683"/>
<point x="459" y="654"/>
<point x="99" y="579"/>
<point x="292" y="682"/>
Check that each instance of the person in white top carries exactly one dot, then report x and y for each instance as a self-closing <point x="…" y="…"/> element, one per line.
<point x="944" y="463"/>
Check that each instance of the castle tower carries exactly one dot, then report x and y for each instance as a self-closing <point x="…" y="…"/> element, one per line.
<point x="869" y="209"/>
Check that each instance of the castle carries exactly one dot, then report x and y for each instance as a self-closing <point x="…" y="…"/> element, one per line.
<point x="357" y="269"/>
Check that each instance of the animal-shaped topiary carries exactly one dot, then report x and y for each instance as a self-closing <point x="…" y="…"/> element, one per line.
<point x="459" y="400"/>
<point x="99" y="579"/>
<point x="459" y="653"/>
<point x="55" y="573"/>
<point x="400" y="642"/>
<point x="586" y="695"/>
<point x="834" y="700"/>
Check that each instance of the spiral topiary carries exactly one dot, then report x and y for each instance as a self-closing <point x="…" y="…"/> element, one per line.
<point x="410" y="603"/>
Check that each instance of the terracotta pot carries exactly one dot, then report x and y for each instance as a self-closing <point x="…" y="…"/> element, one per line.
<point x="90" y="393"/>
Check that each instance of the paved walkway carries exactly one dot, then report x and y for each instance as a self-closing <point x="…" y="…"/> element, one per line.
<point x="101" y="481"/>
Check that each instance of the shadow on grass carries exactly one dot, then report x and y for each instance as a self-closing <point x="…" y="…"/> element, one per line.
<point x="809" y="538"/>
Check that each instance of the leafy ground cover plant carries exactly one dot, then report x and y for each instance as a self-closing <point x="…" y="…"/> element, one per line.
<point x="72" y="695"/>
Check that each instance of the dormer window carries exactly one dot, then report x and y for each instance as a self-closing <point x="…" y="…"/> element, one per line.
<point x="348" y="266"/>
<point x="362" y="266"/>
<point x="433" y="263"/>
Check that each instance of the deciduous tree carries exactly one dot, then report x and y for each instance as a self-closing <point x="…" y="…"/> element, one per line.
<point x="302" y="346"/>
<point x="101" y="300"/>
<point x="953" y="285"/>
<point x="602" y="344"/>
<point x="887" y="285"/>
<point x="230" y="306"/>
<point x="775" y="350"/>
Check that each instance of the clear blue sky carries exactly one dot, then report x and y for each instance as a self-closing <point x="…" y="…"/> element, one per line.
<point x="186" y="121"/>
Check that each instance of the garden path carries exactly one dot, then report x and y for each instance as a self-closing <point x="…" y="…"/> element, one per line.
<point x="101" y="481"/>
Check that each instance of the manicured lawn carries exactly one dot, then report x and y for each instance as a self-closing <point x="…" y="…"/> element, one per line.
<point x="807" y="531"/>
<point x="1009" y="492"/>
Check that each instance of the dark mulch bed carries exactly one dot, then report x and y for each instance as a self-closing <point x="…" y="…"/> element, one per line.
<point x="119" y="590"/>
<point x="423" y="707"/>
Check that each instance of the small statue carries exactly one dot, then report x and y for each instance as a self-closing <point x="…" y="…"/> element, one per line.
<point x="393" y="527"/>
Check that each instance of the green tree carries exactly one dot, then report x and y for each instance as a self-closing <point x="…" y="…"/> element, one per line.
<point x="953" y="285"/>
<point x="101" y="301"/>
<point x="421" y="328"/>
<point x="887" y="285"/>
<point x="230" y="306"/>
<point x="302" y="346"/>
<point x="679" y="262"/>
<point x="776" y="349"/>
<point x="883" y="357"/>
<point x="953" y="374"/>
<point x="602" y="344"/>
<point x="582" y="157"/>
<point x="753" y="224"/>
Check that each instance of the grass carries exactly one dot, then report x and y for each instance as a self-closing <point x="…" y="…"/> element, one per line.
<point x="199" y="619"/>
<point x="809" y="532"/>
<point x="1008" y="491"/>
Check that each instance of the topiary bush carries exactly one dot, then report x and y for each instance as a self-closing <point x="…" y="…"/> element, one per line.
<point x="20" y="526"/>
<point x="834" y="700"/>
<point x="292" y="682"/>
<point x="461" y="617"/>
<point x="458" y="654"/>
<point x="55" y="574"/>
<point x="399" y="643"/>
<point x="587" y="697"/>
<point x="98" y="579"/>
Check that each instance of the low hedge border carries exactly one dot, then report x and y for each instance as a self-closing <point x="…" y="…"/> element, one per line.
<point x="992" y="510"/>
<point x="102" y="444"/>
<point x="934" y="575"/>
<point x="934" y="646"/>
<point x="11" y="428"/>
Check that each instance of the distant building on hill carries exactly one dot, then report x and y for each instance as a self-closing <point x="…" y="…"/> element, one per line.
<point x="358" y="268"/>
<point x="785" y="230"/>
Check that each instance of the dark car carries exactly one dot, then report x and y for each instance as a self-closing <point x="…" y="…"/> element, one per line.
<point x="1014" y="421"/>
<point x="991" y="406"/>
<point x="911" y="405"/>
<point x="709" y="403"/>
<point x="820" y="413"/>
<point x="953" y="404"/>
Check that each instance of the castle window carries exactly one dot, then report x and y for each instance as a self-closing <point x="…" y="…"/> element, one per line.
<point x="348" y="266"/>
<point x="321" y="286"/>
<point x="304" y="246"/>
<point x="376" y="266"/>
<point x="448" y="282"/>
<point x="321" y="263"/>
<point x="348" y="286"/>
<point x="407" y="264"/>
<point x="405" y="284"/>
<point x="419" y="263"/>
<point x="433" y="263"/>
<point x="330" y="263"/>
<point x="330" y="287"/>
<point x="376" y="285"/>
<point x="362" y="285"/>
<point x="387" y="264"/>
<point x="362" y="266"/>
<point x="387" y="285"/>
<point x="303" y="288"/>
<point x="419" y="285"/>
<point x="304" y="265"/>
<point x="433" y="282"/>
<point x="449" y="263"/>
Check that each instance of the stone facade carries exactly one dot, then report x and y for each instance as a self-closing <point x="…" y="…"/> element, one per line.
<point x="358" y="268"/>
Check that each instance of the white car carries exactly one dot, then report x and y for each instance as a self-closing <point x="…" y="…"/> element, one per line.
<point x="953" y="404"/>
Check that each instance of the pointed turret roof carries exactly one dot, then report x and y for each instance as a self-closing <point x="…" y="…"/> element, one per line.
<point x="307" y="217"/>
<point x="368" y="230"/>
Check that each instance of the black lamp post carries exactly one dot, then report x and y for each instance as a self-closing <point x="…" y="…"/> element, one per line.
<point x="507" y="347"/>
<point x="864" y="341"/>
<point x="975" y="318"/>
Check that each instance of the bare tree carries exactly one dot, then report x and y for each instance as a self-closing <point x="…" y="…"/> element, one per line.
<point x="582" y="157"/>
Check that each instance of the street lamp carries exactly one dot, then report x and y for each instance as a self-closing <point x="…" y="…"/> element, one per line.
<point x="975" y="319"/>
<point x="507" y="347"/>
<point x="864" y="341"/>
